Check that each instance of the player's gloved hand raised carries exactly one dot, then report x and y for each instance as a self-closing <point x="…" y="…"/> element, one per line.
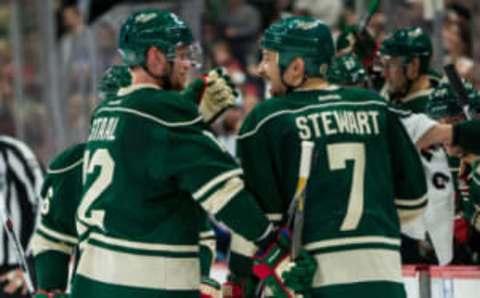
<point x="218" y="95"/>
<point x="50" y="294"/>
<point x="361" y="43"/>
<point x="210" y="288"/>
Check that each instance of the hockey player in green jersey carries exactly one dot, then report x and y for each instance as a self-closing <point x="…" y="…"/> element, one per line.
<point x="437" y="220"/>
<point x="148" y="166"/>
<point x="114" y="78"/>
<point x="406" y="56"/>
<point x="366" y="177"/>
<point x="55" y="237"/>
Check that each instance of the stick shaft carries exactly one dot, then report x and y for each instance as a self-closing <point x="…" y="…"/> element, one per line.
<point x="458" y="89"/>
<point x="372" y="9"/>
<point x="306" y="154"/>
<point x="8" y="226"/>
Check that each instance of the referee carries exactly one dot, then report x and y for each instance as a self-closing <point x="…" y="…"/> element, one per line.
<point x="21" y="178"/>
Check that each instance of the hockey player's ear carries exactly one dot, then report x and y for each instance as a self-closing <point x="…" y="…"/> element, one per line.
<point x="295" y="72"/>
<point x="413" y="68"/>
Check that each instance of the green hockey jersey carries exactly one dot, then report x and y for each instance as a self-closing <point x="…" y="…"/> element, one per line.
<point x="148" y="166"/>
<point x="56" y="236"/>
<point x="366" y="174"/>
<point x="415" y="103"/>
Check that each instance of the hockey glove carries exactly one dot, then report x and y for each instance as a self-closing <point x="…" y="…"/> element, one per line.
<point x="219" y="94"/>
<point x="279" y="275"/>
<point x="300" y="277"/>
<point x="270" y="264"/>
<point x="361" y="43"/>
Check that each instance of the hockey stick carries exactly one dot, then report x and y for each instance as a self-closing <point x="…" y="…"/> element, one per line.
<point x="8" y="225"/>
<point x="372" y="9"/>
<point x="458" y="89"/>
<point x="298" y="201"/>
<point x="295" y="219"/>
<point x="362" y="41"/>
<point x="297" y="206"/>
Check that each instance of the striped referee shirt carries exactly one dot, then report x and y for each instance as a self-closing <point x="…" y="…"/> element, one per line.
<point x="21" y="178"/>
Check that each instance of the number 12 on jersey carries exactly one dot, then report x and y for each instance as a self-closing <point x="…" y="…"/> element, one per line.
<point x="100" y="158"/>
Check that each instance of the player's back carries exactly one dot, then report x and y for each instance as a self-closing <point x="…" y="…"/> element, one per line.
<point x="126" y="152"/>
<point x="351" y="222"/>
<point x="138" y="227"/>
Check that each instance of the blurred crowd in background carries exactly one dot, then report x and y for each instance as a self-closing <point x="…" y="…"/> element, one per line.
<point x="229" y="31"/>
<point x="229" y="34"/>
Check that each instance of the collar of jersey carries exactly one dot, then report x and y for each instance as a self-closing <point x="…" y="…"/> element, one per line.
<point x="132" y="88"/>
